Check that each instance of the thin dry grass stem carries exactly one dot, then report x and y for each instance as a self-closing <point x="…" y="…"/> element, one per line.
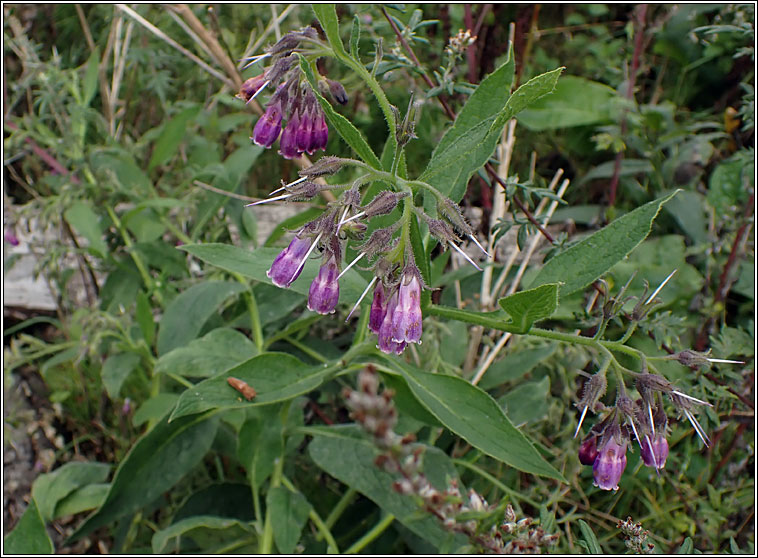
<point x="259" y="42"/>
<point x="277" y="31"/>
<point x="210" y="42"/>
<point x="223" y="192"/>
<point x="536" y="239"/>
<point x="103" y="83"/>
<point x="458" y="297"/>
<point x="499" y="207"/>
<point x="512" y="257"/>
<point x="119" y="66"/>
<point x="198" y="41"/>
<point x="161" y="35"/>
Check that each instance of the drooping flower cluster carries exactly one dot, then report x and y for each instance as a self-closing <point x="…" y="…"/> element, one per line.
<point x="643" y="421"/>
<point x="395" y="312"/>
<point x="293" y="111"/>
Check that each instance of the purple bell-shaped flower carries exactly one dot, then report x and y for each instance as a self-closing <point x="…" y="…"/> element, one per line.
<point x="288" y="144"/>
<point x="325" y="289"/>
<point x="406" y="318"/>
<point x="386" y="343"/>
<point x="588" y="450"/>
<point x="655" y="451"/>
<point x="378" y="308"/>
<point x="609" y="464"/>
<point x="290" y="262"/>
<point x="269" y="125"/>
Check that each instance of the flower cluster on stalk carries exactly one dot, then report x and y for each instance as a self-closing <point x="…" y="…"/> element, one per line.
<point x="292" y="111"/>
<point x="395" y="313"/>
<point x="642" y="421"/>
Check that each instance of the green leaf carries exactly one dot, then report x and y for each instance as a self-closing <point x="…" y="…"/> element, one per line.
<point x="473" y="415"/>
<point x="171" y="137"/>
<point x="29" y="536"/>
<point x="145" y="318"/>
<point x="576" y="101"/>
<point x="589" y="537"/>
<point x="515" y="365"/>
<point x="527" y="402"/>
<point x="349" y="459"/>
<point x="185" y="316"/>
<point x="687" y="546"/>
<point x="88" y="497"/>
<point x="629" y="167"/>
<point x="90" y="78"/>
<point x="289" y="513"/>
<point x="327" y="17"/>
<point x="688" y="208"/>
<point x="86" y="222"/>
<point x="130" y="177"/>
<point x="50" y="488"/>
<point x="527" y="307"/>
<point x="342" y="125"/>
<point x="260" y="443"/>
<point x="587" y="260"/>
<point x="419" y="254"/>
<point x="525" y="95"/>
<point x="274" y="376"/>
<point x="156" y="462"/>
<point x="115" y="371"/>
<point x="485" y="102"/>
<point x="355" y="36"/>
<point x="219" y="350"/>
<point x="155" y="408"/>
<point x="232" y="528"/>
<point x="223" y="499"/>
<point x="254" y="264"/>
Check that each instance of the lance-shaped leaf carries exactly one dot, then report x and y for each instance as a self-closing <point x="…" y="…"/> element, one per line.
<point x="586" y="261"/>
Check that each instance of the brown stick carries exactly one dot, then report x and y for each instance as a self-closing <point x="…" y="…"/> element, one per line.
<point x="638" y="36"/>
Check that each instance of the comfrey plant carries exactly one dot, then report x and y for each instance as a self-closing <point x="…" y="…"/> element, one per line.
<point x="427" y="213"/>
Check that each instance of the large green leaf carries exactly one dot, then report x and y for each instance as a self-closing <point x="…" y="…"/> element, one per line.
<point x="469" y="149"/>
<point x="115" y="371"/>
<point x="232" y="529"/>
<point x="219" y="350"/>
<point x="289" y="513"/>
<point x="576" y="101"/>
<point x="171" y="137"/>
<point x="528" y="402"/>
<point x="587" y="260"/>
<point x="260" y="443"/>
<point x="185" y="316"/>
<point x="589" y="538"/>
<point x="274" y="376"/>
<point x="515" y="365"/>
<point x="86" y="222"/>
<point x="327" y="17"/>
<point x="51" y="488"/>
<point x="533" y="305"/>
<point x="342" y="125"/>
<point x="344" y="454"/>
<point x="473" y="415"/>
<point x="255" y="263"/>
<point x="154" y="464"/>
<point x="29" y="536"/>
<point x="88" y="497"/>
<point x="485" y="102"/>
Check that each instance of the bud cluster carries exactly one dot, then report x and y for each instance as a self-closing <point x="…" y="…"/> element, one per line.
<point x="293" y="100"/>
<point x="643" y="421"/>
<point x="376" y="413"/>
<point x="635" y="537"/>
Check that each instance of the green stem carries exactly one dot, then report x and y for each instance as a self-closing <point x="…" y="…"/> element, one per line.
<point x="252" y="308"/>
<point x="267" y="540"/>
<point x="322" y="526"/>
<point x="629" y="332"/>
<point x="141" y="267"/>
<point x="306" y="349"/>
<point x="341" y="506"/>
<point x="484" y="474"/>
<point x="374" y="533"/>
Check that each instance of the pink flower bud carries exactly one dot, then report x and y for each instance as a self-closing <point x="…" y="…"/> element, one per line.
<point x="654" y="452"/>
<point x="288" y="264"/>
<point x="325" y="289"/>
<point x="609" y="464"/>
<point x="588" y="451"/>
